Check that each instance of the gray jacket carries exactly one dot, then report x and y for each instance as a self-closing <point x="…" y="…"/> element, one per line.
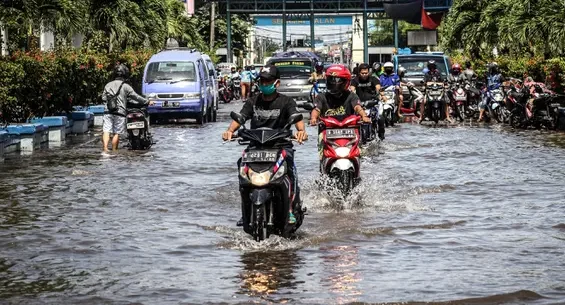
<point x="127" y="96"/>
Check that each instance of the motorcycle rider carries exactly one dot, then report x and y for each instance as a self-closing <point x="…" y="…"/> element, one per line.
<point x="469" y="72"/>
<point x="246" y="78"/>
<point x="115" y="122"/>
<point x="366" y="88"/>
<point x="494" y="80"/>
<point x="271" y="109"/>
<point x="433" y="75"/>
<point x="338" y="99"/>
<point x="377" y="69"/>
<point x="389" y="78"/>
<point x="318" y="74"/>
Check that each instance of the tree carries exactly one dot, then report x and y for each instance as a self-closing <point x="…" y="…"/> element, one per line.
<point x="516" y="27"/>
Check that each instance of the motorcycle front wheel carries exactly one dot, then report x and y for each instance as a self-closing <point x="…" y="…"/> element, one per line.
<point x="259" y="227"/>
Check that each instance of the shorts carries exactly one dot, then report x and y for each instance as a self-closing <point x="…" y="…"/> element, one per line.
<point x="483" y="104"/>
<point x="113" y="123"/>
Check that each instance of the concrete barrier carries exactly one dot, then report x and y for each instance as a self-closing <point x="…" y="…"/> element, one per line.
<point x="57" y="128"/>
<point x="3" y="140"/>
<point x="13" y="143"/>
<point x="98" y="111"/>
<point x="30" y="136"/>
<point x="81" y="120"/>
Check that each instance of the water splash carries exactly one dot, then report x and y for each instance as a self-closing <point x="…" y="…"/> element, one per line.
<point x="376" y="193"/>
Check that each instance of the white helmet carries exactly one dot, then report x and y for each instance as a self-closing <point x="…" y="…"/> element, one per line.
<point x="388" y="64"/>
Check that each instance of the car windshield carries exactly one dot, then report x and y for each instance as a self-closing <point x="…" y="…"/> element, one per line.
<point x="171" y="71"/>
<point x="294" y="68"/>
<point x="415" y="65"/>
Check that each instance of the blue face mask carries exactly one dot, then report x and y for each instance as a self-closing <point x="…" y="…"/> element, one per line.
<point x="268" y="89"/>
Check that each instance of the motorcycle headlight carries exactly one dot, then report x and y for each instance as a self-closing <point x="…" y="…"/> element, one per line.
<point x="259" y="179"/>
<point x="191" y="95"/>
<point x="280" y="172"/>
<point x="342" y="152"/>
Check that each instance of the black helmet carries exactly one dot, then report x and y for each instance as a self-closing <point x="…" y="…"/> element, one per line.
<point x="319" y="67"/>
<point x="431" y="64"/>
<point x="377" y="66"/>
<point x="468" y="64"/>
<point x="121" y="71"/>
<point x="493" y="68"/>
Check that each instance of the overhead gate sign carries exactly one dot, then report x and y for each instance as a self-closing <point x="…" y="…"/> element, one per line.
<point x="318" y="20"/>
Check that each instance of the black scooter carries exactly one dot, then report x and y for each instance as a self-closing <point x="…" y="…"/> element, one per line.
<point x="265" y="187"/>
<point x="137" y="126"/>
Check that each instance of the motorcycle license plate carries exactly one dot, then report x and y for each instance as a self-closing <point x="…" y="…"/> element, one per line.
<point x="460" y="98"/>
<point x="260" y="156"/>
<point x="136" y="125"/>
<point x="168" y="104"/>
<point x="340" y="133"/>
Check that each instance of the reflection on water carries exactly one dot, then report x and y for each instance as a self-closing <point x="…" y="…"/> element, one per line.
<point x="340" y="263"/>
<point x="267" y="273"/>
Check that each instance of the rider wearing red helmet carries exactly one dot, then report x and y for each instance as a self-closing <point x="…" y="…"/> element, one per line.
<point x="455" y="75"/>
<point x="337" y="100"/>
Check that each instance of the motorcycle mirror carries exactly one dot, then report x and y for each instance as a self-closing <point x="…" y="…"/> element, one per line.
<point x="308" y="106"/>
<point x="238" y="118"/>
<point x="293" y="119"/>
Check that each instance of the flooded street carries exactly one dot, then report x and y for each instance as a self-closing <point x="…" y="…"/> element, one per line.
<point x="442" y="214"/>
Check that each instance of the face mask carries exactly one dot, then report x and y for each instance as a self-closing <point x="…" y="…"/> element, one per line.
<point x="388" y="71"/>
<point x="268" y="89"/>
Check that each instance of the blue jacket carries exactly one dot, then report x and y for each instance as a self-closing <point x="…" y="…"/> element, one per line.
<point x="389" y="80"/>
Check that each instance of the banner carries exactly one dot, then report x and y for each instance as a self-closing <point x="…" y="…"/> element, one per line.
<point x="410" y="12"/>
<point x="413" y="12"/>
<point x="431" y="21"/>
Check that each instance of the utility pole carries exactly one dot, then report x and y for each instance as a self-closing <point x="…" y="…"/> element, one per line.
<point x="212" y="27"/>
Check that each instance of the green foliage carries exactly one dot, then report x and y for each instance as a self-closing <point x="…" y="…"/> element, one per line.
<point x="516" y="27"/>
<point x="118" y="25"/>
<point x="41" y="84"/>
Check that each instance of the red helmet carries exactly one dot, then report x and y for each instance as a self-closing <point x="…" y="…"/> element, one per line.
<point x="456" y="68"/>
<point x="338" y="79"/>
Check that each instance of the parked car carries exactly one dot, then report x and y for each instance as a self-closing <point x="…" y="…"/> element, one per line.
<point x="213" y="77"/>
<point x="180" y="84"/>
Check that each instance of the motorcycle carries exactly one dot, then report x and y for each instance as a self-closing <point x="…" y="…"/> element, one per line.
<point x="236" y="87"/>
<point x="435" y="101"/>
<point x="473" y="97"/>
<point x="266" y="189"/>
<point x="459" y="100"/>
<point x="412" y="104"/>
<point x="137" y="126"/>
<point x="495" y="104"/>
<point x="318" y="87"/>
<point x="370" y="131"/>
<point x="339" y="150"/>
<point x="225" y="92"/>
<point x="389" y="106"/>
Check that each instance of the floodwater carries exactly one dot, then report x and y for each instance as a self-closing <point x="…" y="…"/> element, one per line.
<point x="467" y="214"/>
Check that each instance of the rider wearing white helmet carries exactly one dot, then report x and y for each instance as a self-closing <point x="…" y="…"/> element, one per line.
<point x="389" y="78"/>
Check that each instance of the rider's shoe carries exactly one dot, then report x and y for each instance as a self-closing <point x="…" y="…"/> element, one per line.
<point x="291" y="218"/>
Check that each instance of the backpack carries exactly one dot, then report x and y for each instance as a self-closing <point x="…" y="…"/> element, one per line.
<point x="112" y="102"/>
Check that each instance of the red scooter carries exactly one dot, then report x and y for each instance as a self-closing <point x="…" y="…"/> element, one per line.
<point x="338" y="147"/>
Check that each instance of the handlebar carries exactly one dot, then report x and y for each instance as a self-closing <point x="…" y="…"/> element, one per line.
<point x="235" y="136"/>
